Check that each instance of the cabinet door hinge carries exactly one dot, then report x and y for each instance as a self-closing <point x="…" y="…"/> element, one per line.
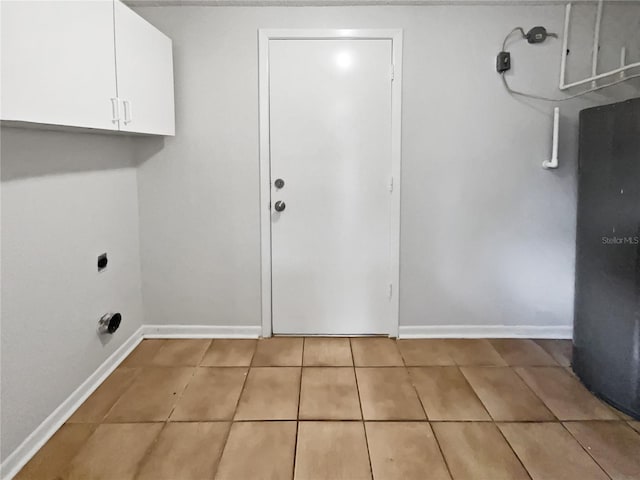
<point x="392" y="72"/>
<point x="391" y="185"/>
<point x="390" y="291"/>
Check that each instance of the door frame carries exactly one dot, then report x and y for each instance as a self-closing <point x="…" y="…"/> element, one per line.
<point x="264" y="37"/>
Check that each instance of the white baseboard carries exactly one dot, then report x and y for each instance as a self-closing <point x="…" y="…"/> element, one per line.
<point x="201" y="331"/>
<point x="485" y="331"/>
<point x="30" y="446"/>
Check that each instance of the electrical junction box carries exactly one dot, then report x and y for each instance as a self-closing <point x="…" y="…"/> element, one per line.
<point x="503" y="62"/>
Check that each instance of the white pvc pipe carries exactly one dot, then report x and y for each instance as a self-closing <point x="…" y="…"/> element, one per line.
<point x="596" y="43"/>
<point x="553" y="163"/>
<point x="565" y="44"/>
<point x="601" y="75"/>
<point x="594" y="64"/>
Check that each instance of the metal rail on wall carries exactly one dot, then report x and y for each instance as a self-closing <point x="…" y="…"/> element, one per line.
<point x="594" y="58"/>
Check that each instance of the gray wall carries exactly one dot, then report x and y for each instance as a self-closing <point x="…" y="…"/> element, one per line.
<point x="66" y="197"/>
<point x="487" y="234"/>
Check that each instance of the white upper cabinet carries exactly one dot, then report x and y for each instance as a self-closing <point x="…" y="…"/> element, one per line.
<point x="145" y="74"/>
<point x="57" y="63"/>
<point x="89" y="64"/>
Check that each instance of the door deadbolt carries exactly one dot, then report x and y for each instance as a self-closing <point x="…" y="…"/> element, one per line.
<point x="279" y="206"/>
<point x="279" y="183"/>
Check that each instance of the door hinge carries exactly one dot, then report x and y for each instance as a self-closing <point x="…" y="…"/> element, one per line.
<point x="392" y="72"/>
<point x="391" y="185"/>
<point x="390" y="291"/>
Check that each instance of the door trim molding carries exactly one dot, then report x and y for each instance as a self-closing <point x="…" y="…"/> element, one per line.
<point x="264" y="36"/>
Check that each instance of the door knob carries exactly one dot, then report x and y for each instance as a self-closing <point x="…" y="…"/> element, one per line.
<point x="279" y="206"/>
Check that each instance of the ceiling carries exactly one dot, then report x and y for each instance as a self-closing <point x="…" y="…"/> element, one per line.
<point x="139" y="3"/>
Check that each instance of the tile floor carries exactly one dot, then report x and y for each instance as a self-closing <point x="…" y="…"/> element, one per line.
<point x="339" y="408"/>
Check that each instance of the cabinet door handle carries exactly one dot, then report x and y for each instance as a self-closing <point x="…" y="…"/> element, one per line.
<point x="115" y="111"/>
<point x="128" y="112"/>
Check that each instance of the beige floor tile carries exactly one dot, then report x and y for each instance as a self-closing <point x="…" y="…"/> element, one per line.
<point x="185" y="451"/>
<point x="376" y="352"/>
<point x="94" y="409"/>
<point x="270" y="393"/>
<point x="548" y="452"/>
<point x="505" y="395"/>
<point x="622" y="415"/>
<point x="619" y="413"/>
<point x="387" y="394"/>
<point x="404" y="450"/>
<point x="143" y="354"/>
<point x="329" y="393"/>
<point x="327" y="352"/>
<point x="635" y="425"/>
<point x="522" y="352"/>
<point x="564" y="395"/>
<point x="474" y="351"/>
<point x="425" y="352"/>
<point x="614" y="445"/>
<point x="278" y="352"/>
<point x="113" y="452"/>
<point x="331" y="451"/>
<point x="560" y="350"/>
<point x="181" y="352"/>
<point x="230" y="353"/>
<point x="152" y="396"/>
<point x="477" y="451"/>
<point x="446" y="394"/>
<point x="212" y="394"/>
<point x="52" y="459"/>
<point x="258" y="450"/>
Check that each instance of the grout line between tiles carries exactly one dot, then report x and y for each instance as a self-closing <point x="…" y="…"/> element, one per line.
<point x="486" y="409"/>
<point x="512" y="449"/>
<point x="179" y="397"/>
<point x="555" y="362"/>
<point x="149" y="449"/>
<point x="135" y="377"/>
<point x="559" y="361"/>
<point x="164" y="426"/>
<point x="295" y="444"/>
<point x="433" y="432"/>
<point x="397" y="420"/>
<point x="235" y="410"/>
<point x="204" y="353"/>
<point x="586" y="450"/>
<point x="67" y="465"/>
<point x="515" y="370"/>
<point x="628" y="422"/>
<point x="364" y="425"/>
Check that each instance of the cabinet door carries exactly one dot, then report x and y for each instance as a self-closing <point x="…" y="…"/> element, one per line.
<point x="144" y="64"/>
<point x="58" y="63"/>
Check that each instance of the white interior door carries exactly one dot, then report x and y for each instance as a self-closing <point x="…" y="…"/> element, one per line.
<point x="330" y="139"/>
